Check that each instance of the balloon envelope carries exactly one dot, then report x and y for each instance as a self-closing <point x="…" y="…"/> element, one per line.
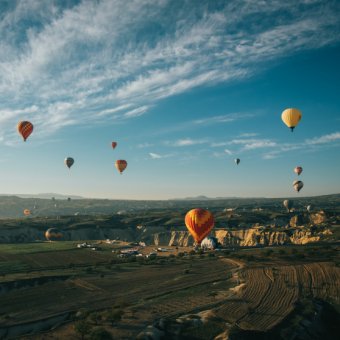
<point x="291" y="117"/>
<point x="237" y="161"/>
<point x="25" y="128"/>
<point x="53" y="234"/>
<point x="199" y="223"/>
<point x="209" y="243"/>
<point x="288" y="204"/>
<point x="298" y="170"/>
<point x="121" y="165"/>
<point x="69" y="162"/>
<point x="297" y="185"/>
<point x="114" y="144"/>
<point x="27" y="212"/>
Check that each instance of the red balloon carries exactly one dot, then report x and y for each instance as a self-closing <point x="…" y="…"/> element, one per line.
<point x="121" y="165"/>
<point x="25" y="129"/>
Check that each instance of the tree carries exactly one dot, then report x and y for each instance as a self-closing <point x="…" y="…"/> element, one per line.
<point x="115" y="315"/>
<point x="82" y="327"/>
<point x="100" y="333"/>
<point x="95" y="317"/>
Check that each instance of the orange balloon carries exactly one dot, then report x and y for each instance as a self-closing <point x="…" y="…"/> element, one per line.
<point x="25" y="129"/>
<point x="114" y="144"/>
<point x="53" y="234"/>
<point x="199" y="223"/>
<point x="121" y="165"/>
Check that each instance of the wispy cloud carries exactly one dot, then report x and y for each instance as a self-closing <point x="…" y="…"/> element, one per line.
<point x="89" y="61"/>
<point x="187" y="142"/>
<point x="259" y="145"/>
<point x="144" y="145"/>
<point x="248" y="134"/>
<point x="136" y="112"/>
<point x="228" y="118"/>
<point x="155" y="155"/>
<point x="324" y="139"/>
<point x="159" y="156"/>
<point x="329" y="140"/>
<point x="254" y="143"/>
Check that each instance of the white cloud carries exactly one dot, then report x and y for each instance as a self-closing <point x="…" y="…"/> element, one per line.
<point x="144" y="145"/>
<point x="218" y="144"/>
<point x="228" y="152"/>
<point x="328" y="140"/>
<point x="259" y="144"/>
<point x="270" y="155"/>
<point x="154" y="155"/>
<point x="158" y="156"/>
<point x="228" y="118"/>
<point x="136" y="112"/>
<point x="253" y="143"/>
<point x="248" y="134"/>
<point x="332" y="137"/>
<point x="187" y="142"/>
<point x="115" y="59"/>
<point x="108" y="112"/>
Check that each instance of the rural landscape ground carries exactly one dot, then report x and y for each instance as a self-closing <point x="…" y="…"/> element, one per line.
<point x="275" y="274"/>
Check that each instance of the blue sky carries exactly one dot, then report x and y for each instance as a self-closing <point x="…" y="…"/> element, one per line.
<point x="184" y="87"/>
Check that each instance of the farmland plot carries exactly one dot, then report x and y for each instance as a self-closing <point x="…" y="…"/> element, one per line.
<point x="270" y="294"/>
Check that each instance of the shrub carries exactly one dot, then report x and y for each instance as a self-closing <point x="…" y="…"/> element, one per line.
<point x="95" y="317"/>
<point x="82" y="327"/>
<point x="100" y="333"/>
<point x="268" y="252"/>
<point x="115" y="315"/>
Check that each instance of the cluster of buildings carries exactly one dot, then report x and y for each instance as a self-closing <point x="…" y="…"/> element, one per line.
<point x="88" y="245"/>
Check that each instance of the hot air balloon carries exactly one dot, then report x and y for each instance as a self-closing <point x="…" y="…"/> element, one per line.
<point x="309" y="208"/>
<point x="288" y="204"/>
<point x="25" y="128"/>
<point x="199" y="223"/>
<point x="27" y="212"/>
<point x="291" y="117"/>
<point x="53" y="234"/>
<point x="237" y="161"/>
<point x="121" y="165"/>
<point x="298" y="170"/>
<point x="114" y="144"/>
<point x="297" y="185"/>
<point x="209" y="243"/>
<point x="68" y="199"/>
<point x="69" y="162"/>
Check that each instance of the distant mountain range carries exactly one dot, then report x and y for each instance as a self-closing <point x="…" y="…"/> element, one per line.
<point x="202" y="198"/>
<point x="45" y="196"/>
<point x="195" y="198"/>
<point x="205" y="198"/>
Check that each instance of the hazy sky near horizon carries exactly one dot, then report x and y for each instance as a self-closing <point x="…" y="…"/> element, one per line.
<point x="183" y="87"/>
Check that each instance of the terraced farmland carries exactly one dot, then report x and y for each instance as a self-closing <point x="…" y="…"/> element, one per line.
<point x="269" y="294"/>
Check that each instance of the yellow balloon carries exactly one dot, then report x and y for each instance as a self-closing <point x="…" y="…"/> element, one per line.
<point x="291" y="117"/>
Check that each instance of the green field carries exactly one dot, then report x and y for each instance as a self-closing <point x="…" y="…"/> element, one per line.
<point x="36" y="247"/>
